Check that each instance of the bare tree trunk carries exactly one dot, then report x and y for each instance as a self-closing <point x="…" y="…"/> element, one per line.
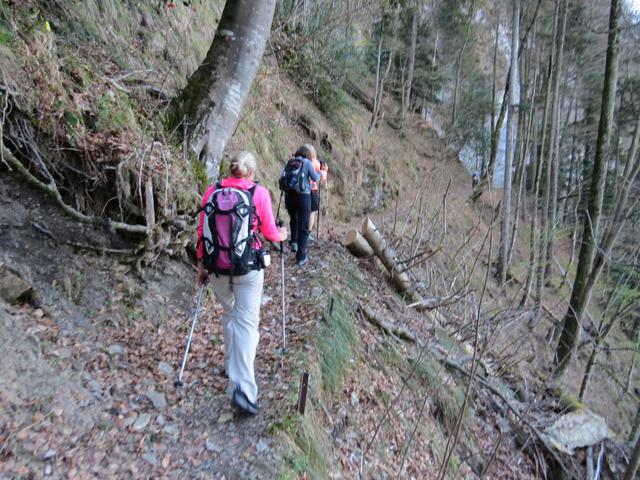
<point x="456" y="87"/>
<point x="211" y="103"/>
<point x="581" y="292"/>
<point x="508" y="161"/>
<point x="495" y="77"/>
<point x="495" y="134"/>
<point x="381" y="78"/>
<point x="519" y="182"/>
<point x="632" y="364"/>
<point x="544" y="162"/>
<point x="374" y="113"/>
<point x="632" y="468"/>
<point x="554" y="140"/>
<point x="435" y="49"/>
<point x="633" y="434"/>
<point x="572" y="157"/>
<point x="412" y="55"/>
<point x="533" y="231"/>
<point x="587" y="372"/>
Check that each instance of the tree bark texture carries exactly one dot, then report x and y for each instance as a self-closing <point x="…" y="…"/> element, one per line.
<point x="581" y="292"/>
<point x="211" y="103"/>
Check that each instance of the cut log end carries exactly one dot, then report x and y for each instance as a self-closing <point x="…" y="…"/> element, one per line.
<point x="356" y="244"/>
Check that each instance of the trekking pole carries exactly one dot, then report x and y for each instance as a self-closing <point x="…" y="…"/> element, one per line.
<point x="284" y="330"/>
<point x="178" y="382"/>
<point x="319" y="210"/>
<point x="279" y="202"/>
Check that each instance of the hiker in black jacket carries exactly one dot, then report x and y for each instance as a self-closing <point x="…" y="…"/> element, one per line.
<point x="295" y="181"/>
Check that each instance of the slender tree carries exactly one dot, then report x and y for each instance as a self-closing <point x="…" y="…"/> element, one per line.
<point x="554" y="141"/>
<point x="465" y="40"/>
<point x="508" y="162"/>
<point x="209" y="107"/>
<point x="581" y="291"/>
<point x="412" y="56"/>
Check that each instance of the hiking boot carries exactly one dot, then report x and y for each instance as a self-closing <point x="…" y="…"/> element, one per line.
<point x="294" y="247"/>
<point x="311" y="238"/>
<point x="302" y="262"/>
<point x="242" y="403"/>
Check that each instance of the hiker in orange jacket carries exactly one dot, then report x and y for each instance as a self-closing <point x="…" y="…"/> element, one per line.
<point x="322" y="169"/>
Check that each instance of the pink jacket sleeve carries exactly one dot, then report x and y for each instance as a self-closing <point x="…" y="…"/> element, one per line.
<point x="262" y="201"/>
<point x="201" y="222"/>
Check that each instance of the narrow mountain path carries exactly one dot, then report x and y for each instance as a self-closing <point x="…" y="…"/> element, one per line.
<point x="91" y="361"/>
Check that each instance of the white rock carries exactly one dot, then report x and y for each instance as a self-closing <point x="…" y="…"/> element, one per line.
<point x="141" y="422"/>
<point x="578" y="429"/>
<point x="262" y="445"/>
<point x="157" y="399"/>
<point x="150" y="458"/>
<point x="354" y="399"/>
<point x="165" y="368"/>
<point x="116" y="349"/>
<point x="49" y="454"/>
<point x="225" y="417"/>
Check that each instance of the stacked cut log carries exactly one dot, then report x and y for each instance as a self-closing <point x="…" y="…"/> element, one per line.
<point x="370" y="242"/>
<point x="356" y="244"/>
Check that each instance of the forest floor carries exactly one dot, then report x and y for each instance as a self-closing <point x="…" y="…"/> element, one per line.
<point x="90" y="363"/>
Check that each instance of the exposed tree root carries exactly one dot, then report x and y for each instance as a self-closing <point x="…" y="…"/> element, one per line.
<point x="51" y="190"/>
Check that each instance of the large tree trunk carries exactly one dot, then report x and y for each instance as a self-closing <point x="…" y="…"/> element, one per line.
<point x="581" y="292"/>
<point x="508" y="161"/>
<point x="211" y="103"/>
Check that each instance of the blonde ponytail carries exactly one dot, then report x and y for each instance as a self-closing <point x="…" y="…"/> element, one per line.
<point x="242" y="164"/>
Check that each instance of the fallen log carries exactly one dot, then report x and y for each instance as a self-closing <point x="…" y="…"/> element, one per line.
<point x="356" y="244"/>
<point x="360" y="95"/>
<point x="436" y="302"/>
<point x="400" y="279"/>
<point x="388" y="327"/>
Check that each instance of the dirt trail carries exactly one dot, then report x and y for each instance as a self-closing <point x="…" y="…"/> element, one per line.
<point x="88" y="390"/>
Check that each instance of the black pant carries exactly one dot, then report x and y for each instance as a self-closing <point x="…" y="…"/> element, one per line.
<point x="299" y="208"/>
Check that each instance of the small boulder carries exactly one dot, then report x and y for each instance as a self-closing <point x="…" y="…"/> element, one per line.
<point x="116" y="349"/>
<point x="141" y="422"/>
<point x="150" y="458"/>
<point x="165" y="368"/>
<point x="13" y="289"/>
<point x="157" y="398"/>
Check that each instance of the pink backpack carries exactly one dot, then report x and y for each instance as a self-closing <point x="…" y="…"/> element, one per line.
<point x="229" y="242"/>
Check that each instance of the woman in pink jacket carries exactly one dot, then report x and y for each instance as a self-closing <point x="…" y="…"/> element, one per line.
<point x="241" y="297"/>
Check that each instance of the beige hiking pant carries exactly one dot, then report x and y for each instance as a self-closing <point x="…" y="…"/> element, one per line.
<point x="240" y="318"/>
